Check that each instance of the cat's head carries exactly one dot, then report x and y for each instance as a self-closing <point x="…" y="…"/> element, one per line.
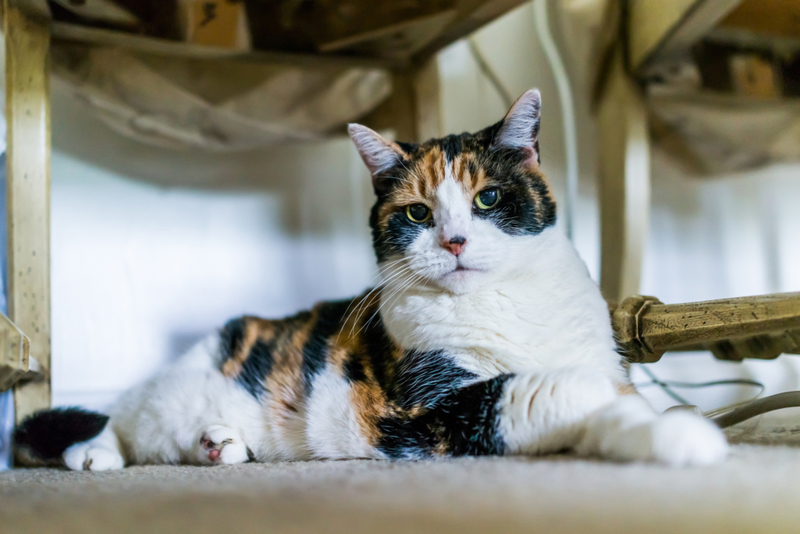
<point x="458" y="211"/>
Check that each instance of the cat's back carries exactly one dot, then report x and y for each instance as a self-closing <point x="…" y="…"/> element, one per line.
<point x="345" y="337"/>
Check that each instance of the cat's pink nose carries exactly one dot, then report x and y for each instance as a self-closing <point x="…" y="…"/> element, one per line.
<point x="455" y="245"/>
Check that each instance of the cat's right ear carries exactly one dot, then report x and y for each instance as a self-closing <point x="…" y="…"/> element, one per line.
<point x="378" y="154"/>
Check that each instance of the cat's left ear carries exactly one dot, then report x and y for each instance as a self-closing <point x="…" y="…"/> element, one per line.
<point x="520" y="128"/>
<point x="378" y="154"/>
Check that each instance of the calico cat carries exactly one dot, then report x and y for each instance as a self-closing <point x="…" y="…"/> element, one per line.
<point x="485" y="336"/>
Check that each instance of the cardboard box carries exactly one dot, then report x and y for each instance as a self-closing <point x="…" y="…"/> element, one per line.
<point x="753" y="75"/>
<point x="221" y="23"/>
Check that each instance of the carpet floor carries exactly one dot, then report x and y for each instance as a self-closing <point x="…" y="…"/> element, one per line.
<point x="755" y="490"/>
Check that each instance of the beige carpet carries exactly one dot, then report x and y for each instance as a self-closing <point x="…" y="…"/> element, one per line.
<point x="756" y="490"/>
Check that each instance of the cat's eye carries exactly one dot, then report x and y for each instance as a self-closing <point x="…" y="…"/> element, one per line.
<point x="418" y="213"/>
<point x="488" y="198"/>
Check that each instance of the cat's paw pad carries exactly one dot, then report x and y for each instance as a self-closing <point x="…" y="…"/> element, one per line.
<point x="683" y="439"/>
<point x="84" y="457"/>
<point x="221" y="445"/>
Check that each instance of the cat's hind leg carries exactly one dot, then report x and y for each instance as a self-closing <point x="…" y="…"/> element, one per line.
<point x="219" y="444"/>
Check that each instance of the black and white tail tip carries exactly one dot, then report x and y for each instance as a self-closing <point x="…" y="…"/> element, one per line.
<point x="42" y="438"/>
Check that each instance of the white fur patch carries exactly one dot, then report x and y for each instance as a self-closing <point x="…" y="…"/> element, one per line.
<point x="158" y="421"/>
<point x="546" y="411"/>
<point x="453" y="211"/>
<point x="99" y="454"/>
<point x="532" y="305"/>
<point x="332" y="429"/>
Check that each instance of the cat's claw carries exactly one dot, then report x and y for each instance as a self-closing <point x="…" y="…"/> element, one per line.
<point x="221" y="445"/>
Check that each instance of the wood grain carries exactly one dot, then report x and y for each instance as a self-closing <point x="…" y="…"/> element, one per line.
<point x="755" y="327"/>
<point x="413" y="111"/>
<point x="660" y="29"/>
<point x="427" y="101"/>
<point x="15" y="350"/>
<point x="28" y="192"/>
<point x="624" y="166"/>
<point x="771" y="17"/>
<point x="680" y="324"/>
<point x="75" y="33"/>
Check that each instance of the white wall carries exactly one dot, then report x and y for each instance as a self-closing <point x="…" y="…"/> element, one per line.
<point x="141" y="270"/>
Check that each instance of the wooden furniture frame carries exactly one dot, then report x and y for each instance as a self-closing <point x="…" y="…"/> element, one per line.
<point x="27" y="38"/>
<point x="643" y="35"/>
<point x="762" y="327"/>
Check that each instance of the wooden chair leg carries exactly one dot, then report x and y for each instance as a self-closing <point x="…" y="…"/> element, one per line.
<point x="413" y="110"/>
<point x="427" y="101"/>
<point x="28" y="190"/>
<point x="624" y="154"/>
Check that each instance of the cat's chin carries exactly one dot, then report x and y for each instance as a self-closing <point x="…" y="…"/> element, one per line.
<point x="461" y="280"/>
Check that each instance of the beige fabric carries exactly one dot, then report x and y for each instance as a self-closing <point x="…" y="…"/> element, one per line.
<point x="181" y="103"/>
<point x="756" y="490"/>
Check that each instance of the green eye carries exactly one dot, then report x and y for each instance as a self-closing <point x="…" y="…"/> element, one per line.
<point x="418" y="213"/>
<point x="488" y="198"/>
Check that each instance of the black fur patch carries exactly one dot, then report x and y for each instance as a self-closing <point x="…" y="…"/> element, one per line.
<point x="461" y="423"/>
<point x="379" y="347"/>
<point x="470" y="417"/>
<point x="256" y="368"/>
<point x="526" y="206"/>
<point x="231" y="338"/>
<point x="354" y="369"/>
<point x="426" y="378"/>
<point x="402" y="232"/>
<point x="405" y="439"/>
<point x="452" y="146"/>
<point x="328" y="324"/>
<point x="408" y="148"/>
<point x="50" y="432"/>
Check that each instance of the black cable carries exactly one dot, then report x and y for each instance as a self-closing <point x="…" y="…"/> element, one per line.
<point x="730" y="415"/>
<point x="664" y="386"/>
<point x="726" y="382"/>
<point x="667" y="385"/>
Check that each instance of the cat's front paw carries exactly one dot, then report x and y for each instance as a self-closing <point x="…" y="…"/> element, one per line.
<point x="546" y="411"/>
<point x="684" y="439"/>
<point x="219" y="444"/>
<point x="630" y="431"/>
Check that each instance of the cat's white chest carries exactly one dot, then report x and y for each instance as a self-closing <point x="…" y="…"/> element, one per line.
<point x="546" y="320"/>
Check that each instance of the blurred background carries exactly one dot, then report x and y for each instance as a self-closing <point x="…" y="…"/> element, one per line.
<point x="155" y="246"/>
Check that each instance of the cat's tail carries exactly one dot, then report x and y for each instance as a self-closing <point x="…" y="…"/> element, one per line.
<point x="42" y="438"/>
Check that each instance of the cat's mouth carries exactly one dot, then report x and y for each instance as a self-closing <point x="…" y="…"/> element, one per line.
<point x="463" y="270"/>
<point x="461" y="279"/>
